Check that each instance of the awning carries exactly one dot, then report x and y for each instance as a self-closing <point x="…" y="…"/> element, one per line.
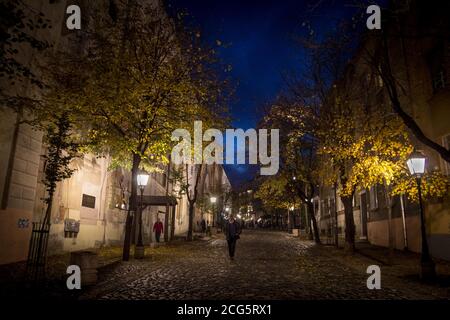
<point x="158" y="200"/>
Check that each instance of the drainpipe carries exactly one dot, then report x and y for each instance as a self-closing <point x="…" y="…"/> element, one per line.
<point x="166" y="217"/>
<point x="336" y="233"/>
<point x="102" y="208"/>
<point x="12" y="153"/>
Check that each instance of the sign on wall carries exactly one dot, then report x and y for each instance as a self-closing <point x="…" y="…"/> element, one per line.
<point x="88" y="201"/>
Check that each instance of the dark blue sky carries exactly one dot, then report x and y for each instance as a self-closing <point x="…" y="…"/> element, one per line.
<point x="260" y="47"/>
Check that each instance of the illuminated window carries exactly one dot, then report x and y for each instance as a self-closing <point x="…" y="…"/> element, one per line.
<point x="436" y="63"/>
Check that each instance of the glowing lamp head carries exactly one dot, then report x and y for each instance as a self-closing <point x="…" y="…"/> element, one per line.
<point x="142" y="180"/>
<point x="213" y="199"/>
<point x="416" y="164"/>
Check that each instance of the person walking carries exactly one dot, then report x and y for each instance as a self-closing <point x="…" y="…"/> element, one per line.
<point x="232" y="232"/>
<point x="158" y="228"/>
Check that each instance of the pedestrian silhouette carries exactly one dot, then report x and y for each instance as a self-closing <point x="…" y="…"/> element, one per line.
<point x="232" y="232"/>
<point x="158" y="228"/>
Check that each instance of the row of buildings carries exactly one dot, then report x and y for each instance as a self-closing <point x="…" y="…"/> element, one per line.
<point x="419" y="49"/>
<point x="89" y="209"/>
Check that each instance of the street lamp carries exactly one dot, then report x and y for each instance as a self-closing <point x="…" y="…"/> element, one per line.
<point x="213" y="201"/>
<point x="142" y="180"/>
<point x="416" y="166"/>
<point x="289" y="218"/>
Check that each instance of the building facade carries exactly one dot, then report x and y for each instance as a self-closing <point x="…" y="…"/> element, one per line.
<point x="89" y="209"/>
<point x="421" y="66"/>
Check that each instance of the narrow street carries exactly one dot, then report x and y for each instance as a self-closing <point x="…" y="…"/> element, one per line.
<point x="268" y="265"/>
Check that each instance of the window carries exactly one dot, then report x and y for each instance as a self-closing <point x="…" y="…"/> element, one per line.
<point x="88" y="201"/>
<point x="439" y="80"/>
<point x="322" y="208"/>
<point x="332" y="206"/>
<point x="403" y="5"/>
<point x="373" y="198"/>
<point x="436" y="64"/>
<point x="381" y="196"/>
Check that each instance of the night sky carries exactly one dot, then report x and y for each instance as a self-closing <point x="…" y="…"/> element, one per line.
<point x="261" y="47"/>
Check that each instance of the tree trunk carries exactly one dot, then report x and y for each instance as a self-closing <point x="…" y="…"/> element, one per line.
<point x="288" y="221"/>
<point x="314" y="222"/>
<point x="191" y="221"/>
<point x="132" y="208"/>
<point x="172" y="229"/>
<point x="308" y="227"/>
<point x="336" y="228"/>
<point x="42" y="246"/>
<point x="391" y="231"/>
<point x="310" y="217"/>
<point x="310" y="230"/>
<point x="48" y="211"/>
<point x="349" y="223"/>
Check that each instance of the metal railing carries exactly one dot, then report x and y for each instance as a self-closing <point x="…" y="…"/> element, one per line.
<point x="37" y="252"/>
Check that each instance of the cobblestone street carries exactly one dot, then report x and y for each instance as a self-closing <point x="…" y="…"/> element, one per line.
<point x="268" y="265"/>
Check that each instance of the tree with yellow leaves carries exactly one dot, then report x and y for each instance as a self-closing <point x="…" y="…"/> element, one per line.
<point x="297" y="179"/>
<point x="351" y="138"/>
<point x="365" y="144"/>
<point x="135" y="80"/>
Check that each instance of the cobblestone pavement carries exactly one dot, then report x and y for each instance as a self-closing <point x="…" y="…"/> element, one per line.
<point x="268" y="265"/>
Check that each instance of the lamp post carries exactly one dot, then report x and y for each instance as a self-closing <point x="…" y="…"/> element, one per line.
<point x="213" y="201"/>
<point x="290" y="215"/>
<point x="416" y="166"/>
<point x="142" y="180"/>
